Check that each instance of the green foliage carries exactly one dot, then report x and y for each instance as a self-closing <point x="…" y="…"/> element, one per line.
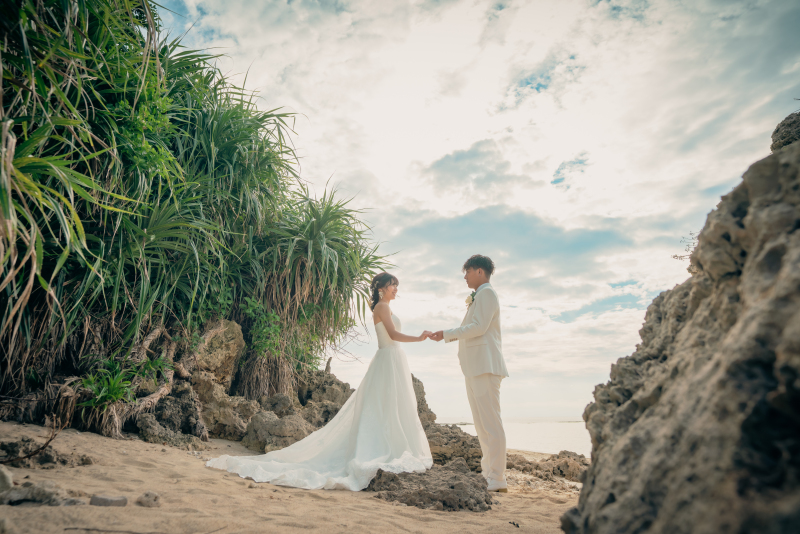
<point x="265" y="330"/>
<point x="107" y="385"/>
<point x="150" y="369"/>
<point x="139" y="186"/>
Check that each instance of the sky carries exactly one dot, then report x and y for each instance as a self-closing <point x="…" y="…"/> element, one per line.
<point x="573" y="142"/>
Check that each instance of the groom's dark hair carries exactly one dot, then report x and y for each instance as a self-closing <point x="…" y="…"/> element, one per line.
<point x="480" y="262"/>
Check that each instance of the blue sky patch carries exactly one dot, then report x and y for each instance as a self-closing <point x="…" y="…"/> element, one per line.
<point x="600" y="306"/>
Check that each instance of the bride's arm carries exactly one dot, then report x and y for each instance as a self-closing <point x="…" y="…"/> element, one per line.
<point x="385" y="315"/>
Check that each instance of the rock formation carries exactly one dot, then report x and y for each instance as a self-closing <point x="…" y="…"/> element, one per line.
<point x="451" y="487"/>
<point x="268" y="432"/>
<point x="41" y="493"/>
<point x="224" y="416"/>
<point x="221" y="347"/>
<point x="698" y="431"/>
<point x="321" y="396"/>
<point x="565" y="464"/>
<point x="426" y="416"/>
<point x="152" y="431"/>
<point x="787" y="132"/>
<point x="49" y="458"/>
<point x="180" y="410"/>
<point x="449" y="442"/>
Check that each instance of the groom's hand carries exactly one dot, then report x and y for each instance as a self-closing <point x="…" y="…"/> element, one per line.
<point x="437" y="336"/>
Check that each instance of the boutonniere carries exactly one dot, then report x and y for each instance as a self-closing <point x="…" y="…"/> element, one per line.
<point x="471" y="299"/>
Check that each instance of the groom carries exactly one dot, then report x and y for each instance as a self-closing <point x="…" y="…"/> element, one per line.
<point x="481" y="356"/>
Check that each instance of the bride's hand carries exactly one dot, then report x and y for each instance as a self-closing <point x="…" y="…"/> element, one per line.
<point x="425" y="335"/>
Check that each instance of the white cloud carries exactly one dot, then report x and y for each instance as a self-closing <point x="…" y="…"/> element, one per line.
<point x="441" y="115"/>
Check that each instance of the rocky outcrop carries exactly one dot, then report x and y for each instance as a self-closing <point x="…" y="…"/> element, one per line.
<point x="565" y="464"/>
<point x="280" y="404"/>
<point x="426" y="416"/>
<point x="321" y="396"/>
<point x="43" y="493"/>
<point x="449" y="442"/>
<point x="224" y="416"/>
<point x="319" y="386"/>
<point x="787" y="132"/>
<point x="698" y="431"/>
<point x="49" y="458"/>
<point x="451" y="487"/>
<point x="152" y="431"/>
<point x="221" y="346"/>
<point x="180" y="411"/>
<point x="267" y="432"/>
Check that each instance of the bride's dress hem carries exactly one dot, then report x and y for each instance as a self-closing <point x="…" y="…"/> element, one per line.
<point x="377" y="428"/>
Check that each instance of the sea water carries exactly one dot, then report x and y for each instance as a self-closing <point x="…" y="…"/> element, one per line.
<point x="542" y="435"/>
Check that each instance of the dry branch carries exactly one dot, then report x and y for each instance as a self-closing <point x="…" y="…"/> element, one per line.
<point x="53" y="433"/>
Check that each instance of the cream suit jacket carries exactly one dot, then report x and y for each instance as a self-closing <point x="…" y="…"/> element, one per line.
<point x="480" y="348"/>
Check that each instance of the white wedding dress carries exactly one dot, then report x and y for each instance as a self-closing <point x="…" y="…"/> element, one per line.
<point x="377" y="428"/>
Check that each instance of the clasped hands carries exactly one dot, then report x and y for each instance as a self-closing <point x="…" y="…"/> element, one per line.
<point x="435" y="336"/>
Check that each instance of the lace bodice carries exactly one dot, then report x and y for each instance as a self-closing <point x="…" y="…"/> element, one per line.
<point x="383" y="335"/>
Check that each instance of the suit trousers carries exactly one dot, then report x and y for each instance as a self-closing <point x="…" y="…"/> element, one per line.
<point x="483" y="392"/>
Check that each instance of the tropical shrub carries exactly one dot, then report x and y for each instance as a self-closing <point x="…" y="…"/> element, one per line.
<point x="142" y="194"/>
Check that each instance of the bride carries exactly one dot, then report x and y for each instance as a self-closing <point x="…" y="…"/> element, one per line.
<point x="377" y="428"/>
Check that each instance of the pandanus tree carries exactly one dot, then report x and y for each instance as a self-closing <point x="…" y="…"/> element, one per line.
<point x="143" y="194"/>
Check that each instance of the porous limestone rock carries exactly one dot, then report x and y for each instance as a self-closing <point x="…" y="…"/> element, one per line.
<point x="221" y="347"/>
<point x="787" y="132"/>
<point x="426" y="416"/>
<point x="267" y="432"/>
<point x="319" y="414"/>
<point x="49" y="458"/>
<point x="451" y="487"/>
<point x="225" y="416"/>
<point x="280" y="404"/>
<point x="41" y="493"/>
<point x="149" y="499"/>
<point x="151" y="431"/>
<point x="449" y="442"/>
<point x="565" y="464"/>
<point x="321" y="396"/>
<point x="698" y="431"/>
<point x="319" y="386"/>
<point x="180" y="410"/>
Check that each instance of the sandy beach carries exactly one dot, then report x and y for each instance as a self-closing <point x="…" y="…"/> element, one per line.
<point x="196" y="499"/>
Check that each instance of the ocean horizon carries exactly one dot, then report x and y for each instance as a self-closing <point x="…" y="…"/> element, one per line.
<point x="547" y="435"/>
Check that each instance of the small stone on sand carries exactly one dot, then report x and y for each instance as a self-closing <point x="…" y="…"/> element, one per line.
<point x="107" y="500"/>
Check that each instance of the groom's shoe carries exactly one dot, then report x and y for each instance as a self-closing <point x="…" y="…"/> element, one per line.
<point x="498" y="485"/>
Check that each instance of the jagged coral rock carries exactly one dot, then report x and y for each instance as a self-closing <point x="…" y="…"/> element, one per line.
<point x="451" y="487"/>
<point x="321" y="396"/>
<point x="449" y="442"/>
<point x="565" y="464"/>
<point x="44" y="493"/>
<point x="152" y="431"/>
<point x="698" y="431"/>
<point x="280" y="404"/>
<point x="425" y="414"/>
<point x="319" y="386"/>
<point x="787" y="132"/>
<point x="49" y="458"/>
<point x="267" y="432"/>
<point x="222" y="345"/>
<point x="225" y="416"/>
<point x="180" y="411"/>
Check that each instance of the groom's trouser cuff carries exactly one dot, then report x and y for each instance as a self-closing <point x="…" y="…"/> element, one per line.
<point x="483" y="392"/>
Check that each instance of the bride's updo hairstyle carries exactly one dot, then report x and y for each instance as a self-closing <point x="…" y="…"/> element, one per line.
<point x="380" y="281"/>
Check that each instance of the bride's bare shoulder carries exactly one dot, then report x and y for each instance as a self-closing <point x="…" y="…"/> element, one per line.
<point x="379" y="309"/>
